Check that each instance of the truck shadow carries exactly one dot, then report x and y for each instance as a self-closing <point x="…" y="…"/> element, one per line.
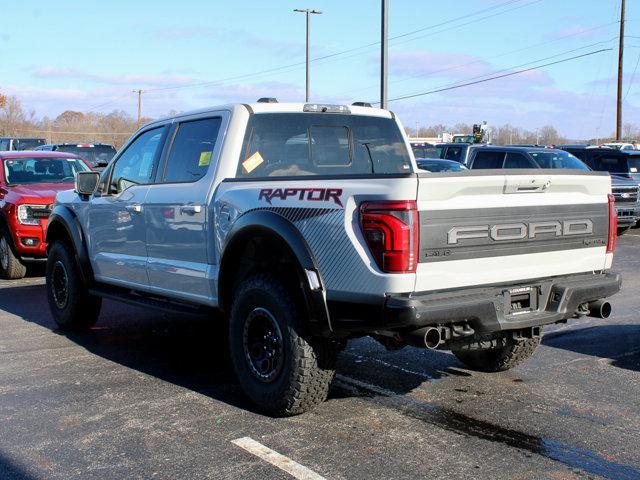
<point x="624" y="352"/>
<point x="191" y="351"/>
<point x="10" y="470"/>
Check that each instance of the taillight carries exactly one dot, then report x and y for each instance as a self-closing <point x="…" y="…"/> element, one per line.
<point x="612" y="238"/>
<point x="390" y="229"/>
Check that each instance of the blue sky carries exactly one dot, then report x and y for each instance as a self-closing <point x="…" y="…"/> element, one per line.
<point x="89" y="55"/>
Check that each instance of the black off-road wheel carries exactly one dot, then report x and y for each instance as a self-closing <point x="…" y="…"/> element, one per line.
<point x="506" y="355"/>
<point x="71" y="305"/>
<point x="280" y="368"/>
<point x="11" y="268"/>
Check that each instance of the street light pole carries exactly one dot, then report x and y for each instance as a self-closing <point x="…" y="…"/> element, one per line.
<point x="620" y="58"/>
<point x="384" y="57"/>
<point x="139" y="92"/>
<point x="308" y="12"/>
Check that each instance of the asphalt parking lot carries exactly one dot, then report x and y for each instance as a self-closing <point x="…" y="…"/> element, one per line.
<point x="148" y="395"/>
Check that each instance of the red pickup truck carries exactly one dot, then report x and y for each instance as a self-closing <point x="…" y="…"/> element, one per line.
<point x="29" y="182"/>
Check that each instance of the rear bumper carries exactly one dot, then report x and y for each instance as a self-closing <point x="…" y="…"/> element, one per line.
<point x="486" y="309"/>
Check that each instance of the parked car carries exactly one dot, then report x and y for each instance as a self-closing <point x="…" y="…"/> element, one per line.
<point x="458" y="152"/>
<point x="29" y="182"/>
<point x="437" y="165"/>
<point x="624" y="167"/>
<point x="97" y="154"/>
<point x="621" y="163"/>
<point x="310" y="224"/>
<point x="624" y="190"/>
<point x="496" y="156"/>
<point x="620" y="145"/>
<point x="20" y="143"/>
<point x="424" y="150"/>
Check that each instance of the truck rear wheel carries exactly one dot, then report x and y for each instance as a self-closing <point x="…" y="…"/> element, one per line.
<point x="280" y="368"/>
<point x="498" y="359"/>
<point x="11" y="268"/>
<point x="71" y="305"/>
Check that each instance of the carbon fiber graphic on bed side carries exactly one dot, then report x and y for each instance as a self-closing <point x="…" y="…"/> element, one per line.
<point x="340" y="265"/>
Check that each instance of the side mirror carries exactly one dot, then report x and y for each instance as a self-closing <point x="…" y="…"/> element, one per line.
<point x="87" y="183"/>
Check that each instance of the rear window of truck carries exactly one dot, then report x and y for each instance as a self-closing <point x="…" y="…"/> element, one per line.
<point x="292" y="144"/>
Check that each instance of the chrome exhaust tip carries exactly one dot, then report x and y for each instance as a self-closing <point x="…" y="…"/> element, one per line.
<point x="432" y="338"/>
<point x="600" y="309"/>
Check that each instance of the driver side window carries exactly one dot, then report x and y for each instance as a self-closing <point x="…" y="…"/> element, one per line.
<point x="135" y="165"/>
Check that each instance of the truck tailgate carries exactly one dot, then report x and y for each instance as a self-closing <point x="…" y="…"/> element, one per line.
<point x="484" y="227"/>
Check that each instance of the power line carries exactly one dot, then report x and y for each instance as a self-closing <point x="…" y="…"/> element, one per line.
<point x="632" y="78"/>
<point x="508" y="69"/>
<point x="404" y="97"/>
<point x="453" y="67"/>
<point x="336" y="54"/>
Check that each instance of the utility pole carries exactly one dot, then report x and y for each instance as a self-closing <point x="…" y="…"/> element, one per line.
<point x="384" y="50"/>
<point x="139" y="92"/>
<point x="308" y="12"/>
<point x="620" y="58"/>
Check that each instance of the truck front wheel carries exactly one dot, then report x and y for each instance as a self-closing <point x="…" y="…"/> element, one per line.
<point x="510" y="353"/>
<point x="279" y="367"/>
<point x="71" y="305"/>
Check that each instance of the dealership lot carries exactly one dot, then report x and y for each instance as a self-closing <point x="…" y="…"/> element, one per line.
<point x="151" y="395"/>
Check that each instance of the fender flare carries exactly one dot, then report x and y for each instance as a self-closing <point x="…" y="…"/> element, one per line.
<point x="275" y="225"/>
<point x="64" y="217"/>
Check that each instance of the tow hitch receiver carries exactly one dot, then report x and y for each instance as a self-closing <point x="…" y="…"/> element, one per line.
<point x="521" y="300"/>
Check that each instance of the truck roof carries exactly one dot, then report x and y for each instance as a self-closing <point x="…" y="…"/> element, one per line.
<point x="260" y="107"/>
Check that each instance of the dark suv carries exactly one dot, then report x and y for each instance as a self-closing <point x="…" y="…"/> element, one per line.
<point x="622" y="163"/>
<point x="521" y="157"/>
<point x="624" y="189"/>
<point x="96" y="154"/>
<point x="20" y="143"/>
<point x="624" y="167"/>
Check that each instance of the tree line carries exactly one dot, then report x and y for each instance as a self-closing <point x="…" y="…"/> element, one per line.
<point x="509" y="134"/>
<point x="70" y="126"/>
<point x="116" y="127"/>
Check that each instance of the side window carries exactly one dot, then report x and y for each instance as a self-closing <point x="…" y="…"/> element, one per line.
<point x="517" y="160"/>
<point x="488" y="159"/>
<point x="135" y="165"/>
<point x="4" y="144"/>
<point x="192" y="150"/>
<point x="454" y="153"/>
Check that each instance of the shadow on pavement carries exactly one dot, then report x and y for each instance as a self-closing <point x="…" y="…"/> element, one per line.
<point x="9" y="470"/>
<point x="188" y="351"/>
<point x="620" y="343"/>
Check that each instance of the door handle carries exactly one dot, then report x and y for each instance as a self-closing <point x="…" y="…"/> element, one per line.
<point x="191" y="209"/>
<point x="135" y="208"/>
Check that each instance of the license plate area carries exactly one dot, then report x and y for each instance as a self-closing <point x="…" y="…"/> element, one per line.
<point x="521" y="300"/>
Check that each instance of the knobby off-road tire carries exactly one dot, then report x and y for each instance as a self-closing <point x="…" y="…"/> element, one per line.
<point x="498" y="359"/>
<point x="11" y="268"/>
<point x="71" y="305"/>
<point x="280" y="368"/>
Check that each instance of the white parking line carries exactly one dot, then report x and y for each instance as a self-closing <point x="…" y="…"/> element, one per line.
<point x="276" y="459"/>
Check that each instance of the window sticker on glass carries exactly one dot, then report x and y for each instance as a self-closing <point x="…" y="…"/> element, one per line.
<point x="205" y="159"/>
<point x="253" y="162"/>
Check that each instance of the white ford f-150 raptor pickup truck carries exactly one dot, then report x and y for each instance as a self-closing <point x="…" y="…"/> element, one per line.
<point x="307" y="225"/>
